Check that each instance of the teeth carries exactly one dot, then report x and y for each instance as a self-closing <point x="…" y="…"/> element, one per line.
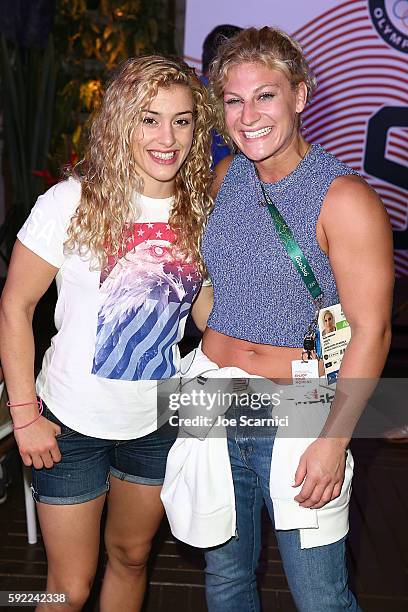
<point x="258" y="133"/>
<point x="160" y="155"/>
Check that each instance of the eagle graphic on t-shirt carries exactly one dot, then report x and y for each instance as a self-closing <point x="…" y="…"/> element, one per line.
<point x="146" y="295"/>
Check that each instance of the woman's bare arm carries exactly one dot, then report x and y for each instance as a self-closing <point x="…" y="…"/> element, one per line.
<point x="29" y="276"/>
<point x="202" y="307"/>
<point x="358" y="238"/>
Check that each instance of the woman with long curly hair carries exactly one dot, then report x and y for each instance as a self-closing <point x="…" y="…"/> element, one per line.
<point x="121" y="236"/>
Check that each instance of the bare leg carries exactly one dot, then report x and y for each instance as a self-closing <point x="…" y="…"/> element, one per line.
<point x="134" y="515"/>
<point x="71" y="538"/>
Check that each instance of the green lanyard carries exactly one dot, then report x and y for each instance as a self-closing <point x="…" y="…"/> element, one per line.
<point x="294" y="251"/>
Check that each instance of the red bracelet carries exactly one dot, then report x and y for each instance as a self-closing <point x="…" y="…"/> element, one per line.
<point x="40" y="411"/>
<point x="10" y="405"/>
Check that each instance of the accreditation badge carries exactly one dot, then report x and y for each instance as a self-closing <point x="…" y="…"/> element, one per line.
<point x="335" y="334"/>
<point x="303" y="370"/>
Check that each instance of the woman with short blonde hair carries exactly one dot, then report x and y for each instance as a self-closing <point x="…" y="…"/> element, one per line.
<point x="276" y="191"/>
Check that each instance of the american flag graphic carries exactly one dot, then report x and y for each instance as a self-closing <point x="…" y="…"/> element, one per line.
<point x="145" y="298"/>
<point x="359" y="74"/>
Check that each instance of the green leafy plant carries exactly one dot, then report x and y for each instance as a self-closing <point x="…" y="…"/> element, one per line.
<point x="49" y="94"/>
<point x="91" y="43"/>
<point x="28" y="83"/>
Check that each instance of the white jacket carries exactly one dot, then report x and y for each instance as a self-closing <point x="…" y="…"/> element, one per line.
<point x="198" y="491"/>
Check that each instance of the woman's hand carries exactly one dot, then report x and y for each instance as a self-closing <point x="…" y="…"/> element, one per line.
<point x="321" y="470"/>
<point x="38" y="445"/>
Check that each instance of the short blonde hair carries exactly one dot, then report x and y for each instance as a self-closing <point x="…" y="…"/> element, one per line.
<point x="269" y="46"/>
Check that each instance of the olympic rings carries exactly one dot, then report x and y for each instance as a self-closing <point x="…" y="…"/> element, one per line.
<point x="400" y="10"/>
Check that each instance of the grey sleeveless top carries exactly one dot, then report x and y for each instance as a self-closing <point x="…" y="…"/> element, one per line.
<point x="258" y="294"/>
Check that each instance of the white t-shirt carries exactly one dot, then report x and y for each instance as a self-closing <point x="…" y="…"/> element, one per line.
<point x="117" y="330"/>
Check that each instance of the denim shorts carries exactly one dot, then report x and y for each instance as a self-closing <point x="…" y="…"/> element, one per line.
<point x="87" y="464"/>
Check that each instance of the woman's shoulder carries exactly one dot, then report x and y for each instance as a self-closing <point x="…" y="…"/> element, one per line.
<point x="351" y="198"/>
<point x="66" y="192"/>
<point x="45" y="230"/>
<point x="332" y="163"/>
<point x="61" y="200"/>
<point x="229" y="165"/>
<point x="220" y="172"/>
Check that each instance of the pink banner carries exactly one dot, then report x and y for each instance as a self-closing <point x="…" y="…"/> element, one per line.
<point x="358" y="50"/>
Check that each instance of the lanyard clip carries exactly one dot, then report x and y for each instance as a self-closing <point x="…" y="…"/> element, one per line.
<point x="318" y="302"/>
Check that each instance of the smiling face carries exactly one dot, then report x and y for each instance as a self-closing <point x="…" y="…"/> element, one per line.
<point x="261" y="110"/>
<point x="163" y="139"/>
<point x="328" y="321"/>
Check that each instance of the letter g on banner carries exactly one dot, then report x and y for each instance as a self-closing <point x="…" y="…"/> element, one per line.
<point x="376" y="163"/>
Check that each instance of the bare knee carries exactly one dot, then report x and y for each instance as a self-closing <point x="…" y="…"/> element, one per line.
<point x="129" y="558"/>
<point x="77" y="591"/>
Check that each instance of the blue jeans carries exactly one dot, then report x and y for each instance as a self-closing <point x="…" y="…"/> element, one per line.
<point x="317" y="577"/>
<point x="87" y="464"/>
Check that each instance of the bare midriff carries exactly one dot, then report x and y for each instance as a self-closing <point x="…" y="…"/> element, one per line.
<point x="260" y="359"/>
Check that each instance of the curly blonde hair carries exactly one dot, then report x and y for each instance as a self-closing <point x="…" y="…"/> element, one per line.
<point x="269" y="46"/>
<point x="108" y="173"/>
